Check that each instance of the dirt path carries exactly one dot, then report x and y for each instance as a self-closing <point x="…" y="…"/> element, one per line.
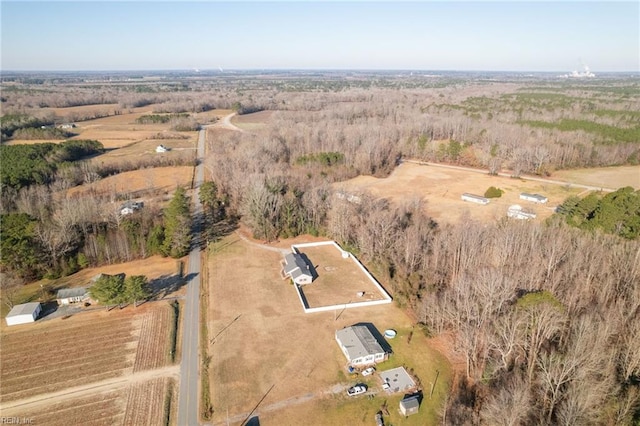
<point x="262" y="246"/>
<point x="279" y="405"/>
<point x="227" y="124"/>
<point x="12" y="408"/>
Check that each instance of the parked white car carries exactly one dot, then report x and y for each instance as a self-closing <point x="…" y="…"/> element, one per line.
<point x="369" y="371"/>
<point x="357" y="390"/>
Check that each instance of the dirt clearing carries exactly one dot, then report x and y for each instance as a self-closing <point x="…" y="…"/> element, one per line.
<point x="339" y="280"/>
<point x="607" y="177"/>
<point x="441" y="188"/>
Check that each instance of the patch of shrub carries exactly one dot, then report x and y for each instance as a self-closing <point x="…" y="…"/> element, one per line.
<point x="493" y="192"/>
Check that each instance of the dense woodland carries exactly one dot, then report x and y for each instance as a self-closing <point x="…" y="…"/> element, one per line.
<point x="544" y="316"/>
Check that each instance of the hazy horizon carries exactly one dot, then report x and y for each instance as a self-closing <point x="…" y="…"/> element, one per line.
<point x="307" y="36"/>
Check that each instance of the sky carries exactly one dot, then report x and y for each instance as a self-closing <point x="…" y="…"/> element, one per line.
<point x="418" y="35"/>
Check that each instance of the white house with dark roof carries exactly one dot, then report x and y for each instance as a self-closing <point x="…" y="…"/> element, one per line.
<point x="23" y="314"/>
<point x="297" y="269"/>
<point x="360" y="346"/>
<point x="67" y="296"/>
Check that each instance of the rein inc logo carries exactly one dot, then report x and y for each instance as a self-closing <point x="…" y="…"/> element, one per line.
<point x="6" y="420"/>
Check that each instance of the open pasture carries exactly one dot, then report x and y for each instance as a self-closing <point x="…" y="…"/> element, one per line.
<point x="164" y="179"/>
<point x="253" y="121"/>
<point x="607" y="177"/>
<point x="262" y="344"/>
<point x="440" y="188"/>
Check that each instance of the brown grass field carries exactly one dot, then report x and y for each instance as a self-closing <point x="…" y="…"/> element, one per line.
<point x="262" y="345"/>
<point x="441" y="188"/>
<point x="54" y="355"/>
<point x="607" y="177"/>
<point x="252" y="122"/>
<point x="165" y="179"/>
<point x="339" y="280"/>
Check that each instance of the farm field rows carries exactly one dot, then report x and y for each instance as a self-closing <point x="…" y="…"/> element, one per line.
<point x="151" y="396"/>
<point x="100" y="409"/>
<point x="153" y="345"/>
<point x="41" y="360"/>
<point x="77" y="352"/>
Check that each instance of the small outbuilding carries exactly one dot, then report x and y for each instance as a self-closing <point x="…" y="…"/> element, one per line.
<point x="297" y="269"/>
<point x="517" y="212"/>
<point x="409" y="405"/>
<point x="474" y="198"/>
<point x="23" y="314"/>
<point x="536" y="198"/>
<point x="130" y="207"/>
<point x="360" y="346"/>
<point x="67" y="296"/>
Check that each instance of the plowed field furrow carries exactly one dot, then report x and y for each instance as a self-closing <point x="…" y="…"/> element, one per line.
<point x="68" y="373"/>
<point x="151" y="395"/>
<point x="53" y="383"/>
<point x="33" y="361"/>
<point x="154" y="338"/>
<point x="59" y="367"/>
<point x="107" y="416"/>
<point x="84" y="328"/>
<point x="47" y="342"/>
<point x="81" y="406"/>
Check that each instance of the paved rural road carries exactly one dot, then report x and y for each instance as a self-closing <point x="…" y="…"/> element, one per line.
<point x="188" y="413"/>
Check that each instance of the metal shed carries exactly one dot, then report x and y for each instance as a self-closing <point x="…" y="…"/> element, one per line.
<point x="409" y="406"/>
<point x="23" y="314"/>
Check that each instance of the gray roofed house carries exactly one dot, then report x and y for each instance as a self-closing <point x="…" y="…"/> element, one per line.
<point x="360" y="346"/>
<point x="67" y="296"/>
<point x="296" y="268"/>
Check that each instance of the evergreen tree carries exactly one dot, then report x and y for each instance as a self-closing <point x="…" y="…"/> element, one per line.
<point x="177" y="225"/>
<point x="19" y="251"/>
<point x="109" y="289"/>
<point x="136" y="288"/>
